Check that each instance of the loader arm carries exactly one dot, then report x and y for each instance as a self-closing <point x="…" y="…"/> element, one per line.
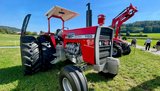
<point x="122" y="17"/>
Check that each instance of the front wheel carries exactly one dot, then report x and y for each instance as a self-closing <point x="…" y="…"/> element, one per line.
<point x="117" y="51"/>
<point x="72" y="79"/>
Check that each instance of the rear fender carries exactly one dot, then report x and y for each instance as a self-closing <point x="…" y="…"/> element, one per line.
<point x="25" y="24"/>
<point x="50" y="38"/>
<point x="53" y="40"/>
<point x="119" y="42"/>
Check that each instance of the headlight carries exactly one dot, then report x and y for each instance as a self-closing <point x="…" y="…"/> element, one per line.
<point x="100" y="43"/>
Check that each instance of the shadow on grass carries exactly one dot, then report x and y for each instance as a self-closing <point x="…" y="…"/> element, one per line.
<point x="41" y="81"/>
<point x="96" y="77"/>
<point x="148" y="85"/>
<point x="10" y="74"/>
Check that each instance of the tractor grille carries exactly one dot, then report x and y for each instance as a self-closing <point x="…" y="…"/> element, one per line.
<point x="105" y="42"/>
<point x="104" y="51"/>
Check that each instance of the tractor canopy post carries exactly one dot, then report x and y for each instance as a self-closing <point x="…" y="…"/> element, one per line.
<point x="62" y="25"/>
<point x="55" y="17"/>
<point x="48" y="25"/>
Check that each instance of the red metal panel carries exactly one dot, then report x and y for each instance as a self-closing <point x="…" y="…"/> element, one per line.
<point x="101" y="19"/>
<point x="88" y="51"/>
<point x="80" y="31"/>
<point x="53" y="40"/>
<point x="87" y="45"/>
<point x="116" y="40"/>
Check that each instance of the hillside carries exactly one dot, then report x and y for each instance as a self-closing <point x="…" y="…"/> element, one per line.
<point x="8" y="30"/>
<point x="135" y="27"/>
<point x="142" y="26"/>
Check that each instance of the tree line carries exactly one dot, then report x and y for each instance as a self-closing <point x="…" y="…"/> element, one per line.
<point x="141" y="26"/>
<point x="136" y="27"/>
<point x="12" y="30"/>
<point x="5" y="31"/>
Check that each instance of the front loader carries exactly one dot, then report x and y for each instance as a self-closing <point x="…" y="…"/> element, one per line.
<point x="88" y="46"/>
<point x="121" y="47"/>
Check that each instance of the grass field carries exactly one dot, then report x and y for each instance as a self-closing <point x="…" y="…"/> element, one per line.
<point x="154" y="35"/>
<point x="139" y="71"/>
<point x="150" y="35"/>
<point x="9" y="40"/>
<point x="142" y="41"/>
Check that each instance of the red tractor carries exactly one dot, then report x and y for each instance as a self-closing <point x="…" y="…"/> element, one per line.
<point x="119" y="46"/>
<point x="88" y="46"/>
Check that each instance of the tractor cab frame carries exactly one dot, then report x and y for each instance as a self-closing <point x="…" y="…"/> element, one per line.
<point x="60" y="13"/>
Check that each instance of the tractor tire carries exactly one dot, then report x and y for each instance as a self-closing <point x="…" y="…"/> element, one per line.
<point x="31" y="62"/>
<point x="117" y="51"/>
<point x="71" y="78"/>
<point x="107" y="75"/>
<point x="47" y="50"/>
<point x="127" y="51"/>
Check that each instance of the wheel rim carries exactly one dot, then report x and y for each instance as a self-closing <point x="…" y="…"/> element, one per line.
<point x="114" y="51"/>
<point x="66" y="85"/>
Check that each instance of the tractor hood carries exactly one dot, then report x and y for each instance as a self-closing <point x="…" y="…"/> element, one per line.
<point x="61" y="13"/>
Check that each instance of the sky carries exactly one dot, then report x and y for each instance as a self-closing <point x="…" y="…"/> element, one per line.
<point x="12" y="12"/>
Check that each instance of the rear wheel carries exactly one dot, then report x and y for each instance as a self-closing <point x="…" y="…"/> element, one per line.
<point x="72" y="79"/>
<point x="30" y="55"/>
<point x="47" y="52"/>
<point x="117" y="51"/>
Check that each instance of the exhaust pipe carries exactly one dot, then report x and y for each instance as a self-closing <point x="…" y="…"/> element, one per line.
<point x="88" y="16"/>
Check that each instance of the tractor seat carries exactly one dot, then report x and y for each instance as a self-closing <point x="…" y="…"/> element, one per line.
<point x="59" y="32"/>
<point x="58" y="36"/>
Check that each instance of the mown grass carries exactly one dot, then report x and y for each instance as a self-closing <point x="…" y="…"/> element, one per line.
<point x="139" y="71"/>
<point x="11" y="75"/>
<point x="9" y="40"/>
<point x="154" y="35"/>
<point x="150" y="35"/>
<point x="142" y="41"/>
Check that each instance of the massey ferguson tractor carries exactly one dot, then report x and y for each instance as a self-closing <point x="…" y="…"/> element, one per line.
<point x="119" y="46"/>
<point x="88" y="46"/>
